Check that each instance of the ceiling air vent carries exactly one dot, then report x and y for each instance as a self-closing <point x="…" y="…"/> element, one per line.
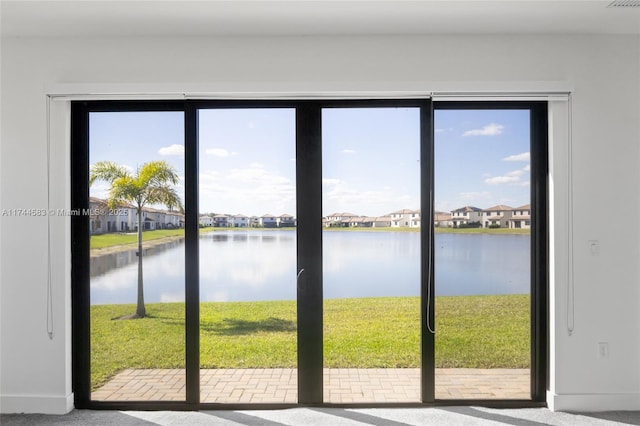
<point x="624" y="3"/>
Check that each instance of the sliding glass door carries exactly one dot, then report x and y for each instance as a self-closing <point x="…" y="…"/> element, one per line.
<point x="246" y="254"/>
<point x="371" y="253"/>
<point x="482" y="251"/>
<point x="137" y="258"/>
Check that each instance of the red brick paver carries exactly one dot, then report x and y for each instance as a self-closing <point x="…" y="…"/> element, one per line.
<point x="341" y="385"/>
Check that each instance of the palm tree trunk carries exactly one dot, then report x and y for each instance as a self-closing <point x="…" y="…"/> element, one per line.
<point x="140" y="310"/>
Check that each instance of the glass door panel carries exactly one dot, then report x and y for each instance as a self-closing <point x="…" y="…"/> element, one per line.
<point x="137" y="268"/>
<point x="247" y="252"/>
<point x="371" y="254"/>
<point x="482" y="254"/>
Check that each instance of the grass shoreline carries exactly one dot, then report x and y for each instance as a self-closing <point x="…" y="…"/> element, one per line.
<point x="471" y="332"/>
<point x="116" y="242"/>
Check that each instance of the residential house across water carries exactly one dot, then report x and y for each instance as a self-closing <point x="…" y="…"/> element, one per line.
<point x="521" y="218"/>
<point x="466" y="215"/>
<point x="496" y="216"/>
<point x="124" y="218"/>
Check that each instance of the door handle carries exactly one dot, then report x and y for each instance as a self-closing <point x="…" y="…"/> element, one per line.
<point x="298" y="278"/>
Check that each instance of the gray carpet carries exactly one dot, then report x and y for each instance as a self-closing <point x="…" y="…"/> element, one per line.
<point x="331" y="417"/>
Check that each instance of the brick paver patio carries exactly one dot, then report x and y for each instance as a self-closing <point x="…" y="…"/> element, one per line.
<point x="341" y="385"/>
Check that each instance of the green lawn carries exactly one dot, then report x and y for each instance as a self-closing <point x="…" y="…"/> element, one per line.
<point x="116" y="239"/>
<point x="472" y="331"/>
<point x="495" y="231"/>
<point x="108" y="240"/>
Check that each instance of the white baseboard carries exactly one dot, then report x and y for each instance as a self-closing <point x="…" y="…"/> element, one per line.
<point x="41" y="404"/>
<point x="593" y="402"/>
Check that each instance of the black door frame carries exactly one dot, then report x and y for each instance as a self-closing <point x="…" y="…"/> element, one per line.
<point x="539" y="307"/>
<point x="309" y="247"/>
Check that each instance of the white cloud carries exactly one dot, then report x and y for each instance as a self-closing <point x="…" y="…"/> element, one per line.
<point x="249" y="190"/>
<point x="338" y="195"/>
<point x="175" y="149"/>
<point x="348" y="151"/>
<point x="527" y="168"/>
<point x="256" y="174"/>
<point x="218" y="152"/>
<point x="492" y="129"/>
<point x="474" y="196"/>
<point x="512" y="177"/>
<point x="497" y="180"/>
<point x="518" y="157"/>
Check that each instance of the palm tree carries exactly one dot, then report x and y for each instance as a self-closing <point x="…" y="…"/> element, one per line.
<point x="151" y="184"/>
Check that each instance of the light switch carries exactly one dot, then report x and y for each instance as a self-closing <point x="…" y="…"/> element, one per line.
<point x="594" y="247"/>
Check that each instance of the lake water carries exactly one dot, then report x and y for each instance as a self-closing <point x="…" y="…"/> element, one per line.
<point x="261" y="265"/>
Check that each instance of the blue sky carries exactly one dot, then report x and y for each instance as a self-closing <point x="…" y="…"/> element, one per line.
<point x="481" y="158"/>
<point x="370" y="157"/>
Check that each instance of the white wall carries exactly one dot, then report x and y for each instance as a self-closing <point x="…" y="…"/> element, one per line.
<point x="604" y="72"/>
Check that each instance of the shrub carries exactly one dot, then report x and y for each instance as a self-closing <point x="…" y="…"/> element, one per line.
<point x="470" y="225"/>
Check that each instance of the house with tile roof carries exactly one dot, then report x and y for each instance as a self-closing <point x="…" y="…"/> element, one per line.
<point x="442" y="220"/>
<point x="239" y="221"/>
<point x="376" y="222"/>
<point x="404" y="218"/>
<point x="497" y="216"/>
<point x="221" y="220"/>
<point x="269" y="221"/>
<point x="521" y="217"/>
<point x="338" y="219"/>
<point x="286" y="221"/>
<point x="205" y="221"/>
<point x="465" y="215"/>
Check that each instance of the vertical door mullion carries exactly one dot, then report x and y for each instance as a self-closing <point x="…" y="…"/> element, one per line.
<point x="80" y="249"/>
<point x="309" y="251"/>
<point x="192" y="271"/>
<point x="427" y="293"/>
<point x="539" y="251"/>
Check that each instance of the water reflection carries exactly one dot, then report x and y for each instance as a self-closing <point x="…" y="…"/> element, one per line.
<point x="102" y="264"/>
<point x="261" y="265"/>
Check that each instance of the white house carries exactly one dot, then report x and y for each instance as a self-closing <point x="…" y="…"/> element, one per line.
<point x="175" y="219"/>
<point x="338" y="219"/>
<point x="99" y="218"/>
<point x="465" y="215"/>
<point x="205" y="220"/>
<point x="269" y="221"/>
<point x="238" y="221"/>
<point x="155" y="217"/>
<point x="521" y="217"/>
<point x="286" y="221"/>
<point x="104" y="219"/>
<point x="221" y="220"/>
<point x="376" y="222"/>
<point x="442" y="220"/>
<point x="148" y="220"/>
<point x="496" y="216"/>
<point x="127" y="218"/>
<point x="403" y="218"/>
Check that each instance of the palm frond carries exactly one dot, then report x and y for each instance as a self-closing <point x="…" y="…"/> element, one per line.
<point x="107" y="171"/>
<point x="156" y="173"/>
